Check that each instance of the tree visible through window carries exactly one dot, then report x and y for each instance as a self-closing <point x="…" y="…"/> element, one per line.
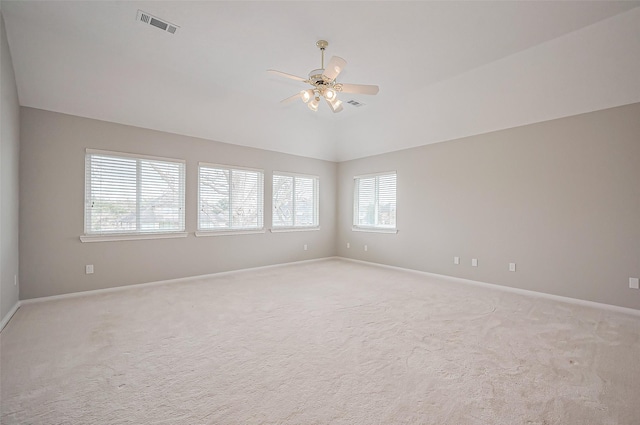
<point x="375" y="202"/>
<point x="295" y="201"/>
<point x="230" y="198"/>
<point x="129" y="194"/>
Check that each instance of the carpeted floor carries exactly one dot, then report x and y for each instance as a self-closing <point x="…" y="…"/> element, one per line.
<point x="329" y="342"/>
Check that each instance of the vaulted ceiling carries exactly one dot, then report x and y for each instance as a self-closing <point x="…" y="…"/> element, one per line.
<point x="445" y="69"/>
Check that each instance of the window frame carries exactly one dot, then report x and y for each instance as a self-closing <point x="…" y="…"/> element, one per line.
<point x="316" y="203"/>
<point x="89" y="236"/>
<point x="231" y="231"/>
<point x="356" y="227"/>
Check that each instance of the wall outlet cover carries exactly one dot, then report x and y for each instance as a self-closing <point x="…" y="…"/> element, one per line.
<point x="474" y="262"/>
<point x="634" y="283"/>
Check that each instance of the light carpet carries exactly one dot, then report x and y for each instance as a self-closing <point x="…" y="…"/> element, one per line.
<point x="328" y="342"/>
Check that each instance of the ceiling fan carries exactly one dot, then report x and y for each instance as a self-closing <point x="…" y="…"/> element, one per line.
<point x="323" y="82"/>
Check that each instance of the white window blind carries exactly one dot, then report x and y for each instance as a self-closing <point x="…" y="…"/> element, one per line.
<point x="295" y="201"/>
<point x="230" y="198"/>
<point x="131" y="194"/>
<point x="375" y="201"/>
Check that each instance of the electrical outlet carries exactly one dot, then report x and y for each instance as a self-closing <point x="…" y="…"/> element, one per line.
<point x="512" y="267"/>
<point x="634" y="283"/>
<point x="348" y="245"/>
<point x="88" y="269"/>
<point x="305" y="247"/>
<point x="474" y="262"/>
<point x="456" y="260"/>
<point x="366" y="248"/>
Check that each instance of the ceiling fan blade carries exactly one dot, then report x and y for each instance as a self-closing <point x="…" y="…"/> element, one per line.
<point x="334" y="67"/>
<point x="290" y="98"/>
<point x="359" y="89"/>
<point x="335" y="106"/>
<point x="285" y="75"/>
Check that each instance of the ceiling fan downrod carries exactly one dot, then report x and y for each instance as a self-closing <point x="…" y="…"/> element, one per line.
<point x="322" y="44"/>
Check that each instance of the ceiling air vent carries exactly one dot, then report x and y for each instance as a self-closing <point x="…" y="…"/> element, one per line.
<point x="149" y="19"/>
<point x="355" y="103"/>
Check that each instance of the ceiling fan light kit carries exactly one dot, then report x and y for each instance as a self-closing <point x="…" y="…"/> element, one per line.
<point x="324" y="83"/>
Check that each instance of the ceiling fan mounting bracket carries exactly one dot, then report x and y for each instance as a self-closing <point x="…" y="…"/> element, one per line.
<point x="322" y="44"/>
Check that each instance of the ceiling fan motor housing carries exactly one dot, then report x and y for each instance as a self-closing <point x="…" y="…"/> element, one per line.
<point x="317" y="79"/>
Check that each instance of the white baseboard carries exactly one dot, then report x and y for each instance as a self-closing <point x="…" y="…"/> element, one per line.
<point x="526" y="292"/>
<point x="9" y="315"/>
<point x="162" y="282"/>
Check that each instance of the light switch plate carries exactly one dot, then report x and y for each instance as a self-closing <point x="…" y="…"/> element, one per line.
<point x="512" y="267"/>
<point x="474" y="262"/>
<point x="88" y="269"/>
<point x="456" y="260"/>
<point x="634" y="283"/>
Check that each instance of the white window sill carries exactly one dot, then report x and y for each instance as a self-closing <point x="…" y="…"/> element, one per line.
<point x="373" y="230"/>
<point x="121" y="237"/>
<point x="201" y="233"/>
<point x="293" y="229"/>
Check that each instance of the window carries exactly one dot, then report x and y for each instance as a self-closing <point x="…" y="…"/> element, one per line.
<point x="375" y="202"/>
<point x="133" y="194"/>
<point x="295" y="201"/>
<point x="230" y="199"/>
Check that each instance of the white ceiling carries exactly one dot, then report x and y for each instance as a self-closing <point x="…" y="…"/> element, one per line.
<point x="445" y="69"/>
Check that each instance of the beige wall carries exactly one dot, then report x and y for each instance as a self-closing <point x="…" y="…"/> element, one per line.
<point x="559" y="198"/>
<point x="52" y="199"/>
<point x="9" y="155"/>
